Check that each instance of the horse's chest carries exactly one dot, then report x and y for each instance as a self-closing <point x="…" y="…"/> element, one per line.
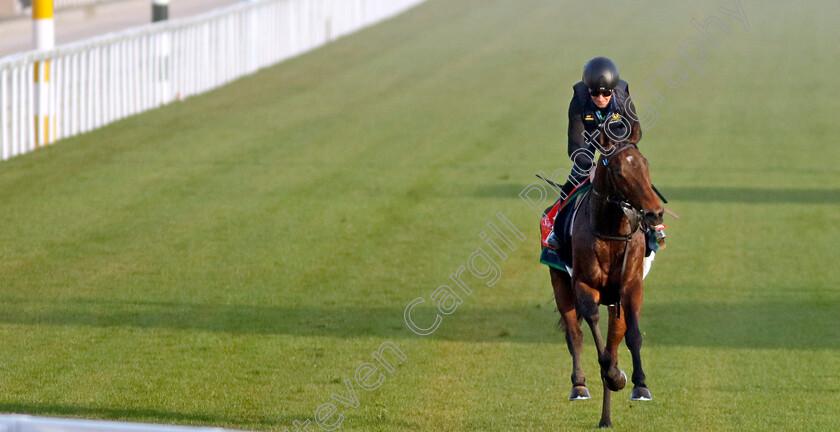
<point x="604" y="271"/>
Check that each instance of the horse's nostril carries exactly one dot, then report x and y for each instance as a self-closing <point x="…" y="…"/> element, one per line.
<point x="654" y="217"/>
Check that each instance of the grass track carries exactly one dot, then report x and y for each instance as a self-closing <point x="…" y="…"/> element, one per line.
<point x="231" y="259"/>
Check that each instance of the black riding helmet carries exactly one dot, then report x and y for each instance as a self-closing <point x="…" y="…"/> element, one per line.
<point x="600" y="73"/>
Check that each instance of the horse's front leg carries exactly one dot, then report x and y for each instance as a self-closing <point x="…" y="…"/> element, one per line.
<point x="587" y="304"/>
<point x="587" y="298"/>
<point x="587" y="301"/>
<point x="613" y="378"/>
<point x="565" y="298"/>
<point x="633" y="302"/>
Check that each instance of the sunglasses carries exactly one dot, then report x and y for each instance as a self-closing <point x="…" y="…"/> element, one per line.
<point x="604" y="93"/>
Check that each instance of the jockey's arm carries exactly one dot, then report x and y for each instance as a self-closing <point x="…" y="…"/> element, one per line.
<point x="577" y="141"/>
<point x="576" y="128"/>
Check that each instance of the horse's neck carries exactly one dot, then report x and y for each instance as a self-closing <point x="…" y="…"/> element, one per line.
<point x="607" y="219"/>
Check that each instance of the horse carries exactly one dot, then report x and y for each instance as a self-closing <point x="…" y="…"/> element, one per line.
<point x="608" y="249"/>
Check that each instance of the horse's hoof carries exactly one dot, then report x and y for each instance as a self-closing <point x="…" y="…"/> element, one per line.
<point x="616" y="384"/>
<point x="605" y="424"/>
<point x="640" y="394"/>
<point x="579" y="393"/>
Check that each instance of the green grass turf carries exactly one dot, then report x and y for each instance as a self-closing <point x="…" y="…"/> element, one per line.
<point x="230" y="260"/>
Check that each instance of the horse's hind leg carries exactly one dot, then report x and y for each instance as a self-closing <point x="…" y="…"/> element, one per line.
<point x="565" y="298"/>
<point x="634" y="343"/>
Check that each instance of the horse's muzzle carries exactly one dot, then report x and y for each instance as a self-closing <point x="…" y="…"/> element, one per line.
<point x="654" y="217"/>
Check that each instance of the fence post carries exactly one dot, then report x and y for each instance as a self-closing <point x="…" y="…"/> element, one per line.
<point x="160" y="12"/>
<point x="43" y="37"/>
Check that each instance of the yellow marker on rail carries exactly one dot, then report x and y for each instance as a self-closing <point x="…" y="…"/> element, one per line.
<point x="43" y="38"/>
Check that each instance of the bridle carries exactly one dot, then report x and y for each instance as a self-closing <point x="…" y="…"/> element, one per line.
<point x="634" y="216"/>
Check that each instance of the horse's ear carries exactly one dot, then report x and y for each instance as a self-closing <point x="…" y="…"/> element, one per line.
<point x="635" y="133"/>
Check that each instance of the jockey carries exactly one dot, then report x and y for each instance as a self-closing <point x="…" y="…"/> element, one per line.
<point x="600" y="101"/>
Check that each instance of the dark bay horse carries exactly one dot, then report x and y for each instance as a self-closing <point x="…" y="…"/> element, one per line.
<point x="608" y="247"/>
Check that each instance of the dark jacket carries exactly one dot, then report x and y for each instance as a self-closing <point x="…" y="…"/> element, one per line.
<point x="585" y="116"/>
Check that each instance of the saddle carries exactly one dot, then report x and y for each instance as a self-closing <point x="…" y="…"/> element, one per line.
<point x="561" y="215"/>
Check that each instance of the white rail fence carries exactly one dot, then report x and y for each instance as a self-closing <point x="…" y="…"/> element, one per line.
<point x="61" y="4"/>
<point x="49" y="95"/>
<point x="23" y="423"/>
